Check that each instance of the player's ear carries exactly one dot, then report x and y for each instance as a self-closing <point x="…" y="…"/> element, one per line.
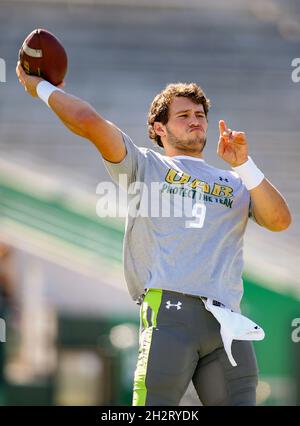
<point x="159" y="128"/>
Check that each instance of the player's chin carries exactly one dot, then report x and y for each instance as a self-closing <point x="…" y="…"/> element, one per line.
<point x="197" y="142"/>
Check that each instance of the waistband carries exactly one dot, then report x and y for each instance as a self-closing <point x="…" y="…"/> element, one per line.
<point x="140" y="300"/>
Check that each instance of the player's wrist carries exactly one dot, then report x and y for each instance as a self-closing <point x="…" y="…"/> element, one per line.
<point x="250" y="174"/>
<point x="33" y="85"/>
<point x="44" y="90"/>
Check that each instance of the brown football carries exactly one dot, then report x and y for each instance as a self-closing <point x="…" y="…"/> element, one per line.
<point x="42" y="54"/>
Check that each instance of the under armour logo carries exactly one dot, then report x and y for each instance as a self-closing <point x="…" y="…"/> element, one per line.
<point x="226" y="180"/>
<point x="169" y="304"/>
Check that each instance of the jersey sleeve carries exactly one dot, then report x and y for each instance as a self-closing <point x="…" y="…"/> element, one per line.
<point x="130" y="166"/>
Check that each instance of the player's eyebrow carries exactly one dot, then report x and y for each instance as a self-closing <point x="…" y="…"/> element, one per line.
<point x="187" y="110"/>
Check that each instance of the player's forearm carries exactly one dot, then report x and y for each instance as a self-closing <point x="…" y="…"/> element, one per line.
<point x="81" y="118"/>
<point x="269" y="207"/>
<point x="77" y="115"/>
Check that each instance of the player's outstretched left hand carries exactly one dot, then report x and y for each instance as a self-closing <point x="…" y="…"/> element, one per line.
<point x="232" y="146"/>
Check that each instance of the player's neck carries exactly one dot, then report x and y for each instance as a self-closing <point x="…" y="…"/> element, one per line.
<point x="175" y="152"/>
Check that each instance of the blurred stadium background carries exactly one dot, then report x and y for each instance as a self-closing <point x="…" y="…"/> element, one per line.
<point x="71" y="328"/>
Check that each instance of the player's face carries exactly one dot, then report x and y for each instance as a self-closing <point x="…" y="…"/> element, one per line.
<point x="187" y="126"/>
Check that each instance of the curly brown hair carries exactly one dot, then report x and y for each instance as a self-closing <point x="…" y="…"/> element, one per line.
<point x="159" y="109"/>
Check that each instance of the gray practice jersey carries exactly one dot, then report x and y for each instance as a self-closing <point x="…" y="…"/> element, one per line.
<point x="185" y="225"/>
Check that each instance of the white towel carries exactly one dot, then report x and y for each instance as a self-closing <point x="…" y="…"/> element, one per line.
<point x="234" y="326"/>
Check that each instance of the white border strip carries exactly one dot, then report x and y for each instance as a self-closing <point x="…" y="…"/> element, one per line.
<point x="33" y="53"/>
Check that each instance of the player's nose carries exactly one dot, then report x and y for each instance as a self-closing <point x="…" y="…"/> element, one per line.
<point x="194" y="120"/>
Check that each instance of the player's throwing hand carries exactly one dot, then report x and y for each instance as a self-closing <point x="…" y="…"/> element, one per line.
<point x="30" y="82"/>
<point x="232" y="146"/>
